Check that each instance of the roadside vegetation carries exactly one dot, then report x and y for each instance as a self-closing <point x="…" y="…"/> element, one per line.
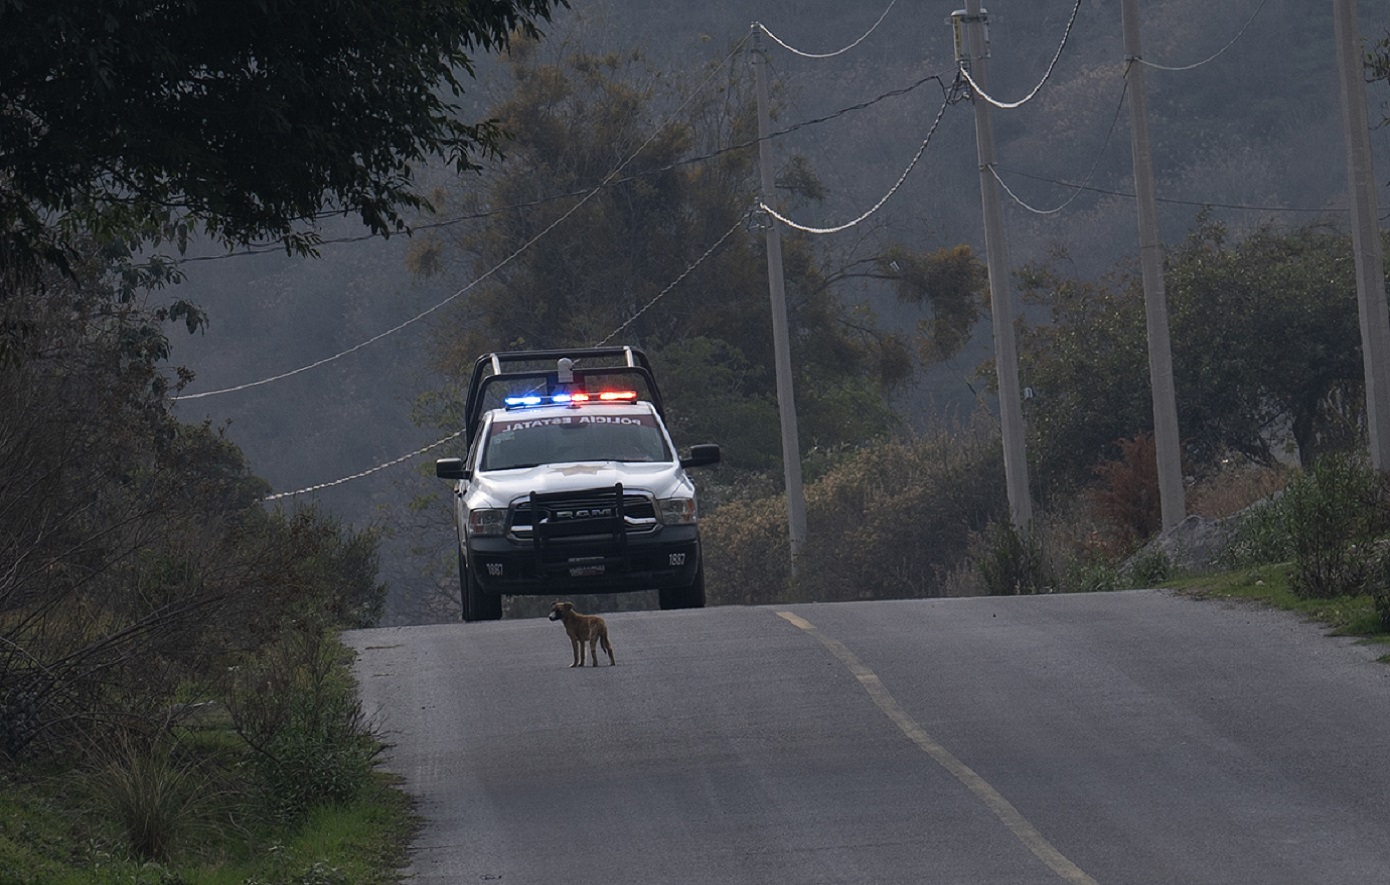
<point x="174" y="704"/>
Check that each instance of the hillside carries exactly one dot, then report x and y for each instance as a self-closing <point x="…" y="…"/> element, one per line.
<point x="1254" y="133"/>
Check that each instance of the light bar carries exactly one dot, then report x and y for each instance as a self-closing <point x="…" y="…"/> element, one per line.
<point x="569" y="398"/>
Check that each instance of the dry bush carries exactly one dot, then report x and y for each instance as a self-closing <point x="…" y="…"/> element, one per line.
<point x="890" y="521"/>
<point x="746" y="553"/>
<point x="1235" y="487"/>
<point x="1127" y="498"/>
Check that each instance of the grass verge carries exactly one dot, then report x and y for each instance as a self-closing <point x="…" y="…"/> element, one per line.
<point x="1270" y="585"/>
<point x="49" y="837"/>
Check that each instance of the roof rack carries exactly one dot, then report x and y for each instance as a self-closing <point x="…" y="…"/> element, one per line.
<point x="546" y="367"/>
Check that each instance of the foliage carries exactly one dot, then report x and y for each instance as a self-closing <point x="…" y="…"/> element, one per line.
<point x="1128" y="497"/>
<point x="889" y="520"/>
<point x="1266" y="352"/>
<point x="1378" y="66"/>
<point x="1379" y="586"/>
<point x="136" y="120"/>
<point x="136" y="557"/>
<point x="1261" y="536"/>
<point x="630" y="202"/>
<point x="57" y="831"/>
<point x="953" y="281"/>
<point x="1011" y="562"/>
<point x="293" y="707"/>
<point x="153" y="789"/>
<point x="1334" y="511"/>
<point x="1326" y="524"/>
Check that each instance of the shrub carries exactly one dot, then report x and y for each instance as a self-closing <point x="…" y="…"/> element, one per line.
<point x="1261" y="536"/>
<point x="1012" y="563"/>
<point x="1148" y="567"/>
<point x="1333" y="513"/>
<point x="155" y="793"/>
<point x="1379" y="585"/>
<point x="1237" y="485"/>
<point x="299" y="713"/>
<point x="891" y="520"/>
<point x="1128" y="496"/>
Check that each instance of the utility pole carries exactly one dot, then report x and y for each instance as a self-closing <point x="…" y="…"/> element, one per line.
<point x="781" y="339"/>
<point x="1165" y="405"/>
<point x="975" y="58"/>
<point x="1365" y="231"/>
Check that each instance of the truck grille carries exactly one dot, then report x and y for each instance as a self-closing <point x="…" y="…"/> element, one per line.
<point x="588" y="512"/>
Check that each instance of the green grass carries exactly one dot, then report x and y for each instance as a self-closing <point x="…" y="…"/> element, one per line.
<point x="1269" y="585"/>
<point x="49" y="836"/>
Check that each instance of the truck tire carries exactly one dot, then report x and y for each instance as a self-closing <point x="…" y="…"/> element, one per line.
<point x="684" y="597"/>
<point x="477" y="604"/>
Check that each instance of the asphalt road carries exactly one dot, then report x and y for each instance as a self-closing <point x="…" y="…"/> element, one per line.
<point x="1104" y="738"/>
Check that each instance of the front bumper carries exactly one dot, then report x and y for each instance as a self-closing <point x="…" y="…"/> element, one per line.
<point x="665" y="559"/>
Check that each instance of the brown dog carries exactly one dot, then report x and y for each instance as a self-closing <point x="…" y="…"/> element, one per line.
<point x="582" y="629"/>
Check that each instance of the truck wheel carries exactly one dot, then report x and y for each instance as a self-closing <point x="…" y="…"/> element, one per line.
<point x="685" y="597"/>
<point x="477" y="605"/>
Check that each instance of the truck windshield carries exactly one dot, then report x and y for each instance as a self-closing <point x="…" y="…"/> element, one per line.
<point x="527" y="442"/>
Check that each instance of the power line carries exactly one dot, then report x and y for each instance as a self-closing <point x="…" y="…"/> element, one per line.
<point x="1197" y="203"/>
<point x="420" y="451"/>
<point x="585" y="194"/>
<point x="603" y="185"/>
<point x="685" y="273"/>
<point x="1010" y="105"/>
<point x="494" y="269"/>
<point x="763" y="206"/>
<point x="368" y="472"/>
<point x="1095" y="164"/>
<point x="775" y="39"/>
<point x="1211" y="58"/>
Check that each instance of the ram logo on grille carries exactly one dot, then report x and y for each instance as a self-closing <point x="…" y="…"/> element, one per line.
<point x="591" y="513"/>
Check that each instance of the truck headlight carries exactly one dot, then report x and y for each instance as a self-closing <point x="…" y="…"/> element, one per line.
<point x="677" y="511"/>
<point x="487" y="523"/>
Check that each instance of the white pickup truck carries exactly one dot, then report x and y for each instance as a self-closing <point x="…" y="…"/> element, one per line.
<point x="571" y="483"/>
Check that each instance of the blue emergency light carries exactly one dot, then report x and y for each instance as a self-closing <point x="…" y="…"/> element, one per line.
<point x="573" y="398"/>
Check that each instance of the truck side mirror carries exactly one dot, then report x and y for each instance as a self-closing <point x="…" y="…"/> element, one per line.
<point x="701" y="456"/>
<point x="450" y="468"/>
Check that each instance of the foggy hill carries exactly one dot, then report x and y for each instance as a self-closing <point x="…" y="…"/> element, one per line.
<point x="1254" y="132"/>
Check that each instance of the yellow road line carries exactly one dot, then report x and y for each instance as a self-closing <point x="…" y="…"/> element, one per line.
<point x="1017" y="824"/>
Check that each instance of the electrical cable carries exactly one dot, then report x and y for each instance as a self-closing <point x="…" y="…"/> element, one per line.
<point x="1095" y="164"/>
<point x="775" y="39"/>
<point x="420" y="451"/>
<point x="762" y="203"/>
<point x="1010" y="105"/>
<point x="368" y="472"/>
<point x="617" y="182"/>
<point x="1197" y="203"/>
<point x="685" y="273"/>
<point x="495" y="268"/>
<point x="1219" y="52"/>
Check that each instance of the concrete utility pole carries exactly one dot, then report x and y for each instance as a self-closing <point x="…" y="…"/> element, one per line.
<point x="1365" y="231"/>
<point x="1165" y="405"/>
<point x="781" y="339"/>
<point x="975" y="58"/>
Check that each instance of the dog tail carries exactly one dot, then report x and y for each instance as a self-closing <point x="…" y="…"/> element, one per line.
<point x="607" y="646"/>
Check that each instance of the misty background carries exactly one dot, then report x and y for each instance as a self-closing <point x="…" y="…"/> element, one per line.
<point x="1252" y="136"/>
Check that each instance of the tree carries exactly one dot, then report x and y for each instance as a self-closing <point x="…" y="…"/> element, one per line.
<point x="138" y="120"/>
<point x="564" y="256"/>
<point x="1266" y="352"/>
<point x="136" y="555"/>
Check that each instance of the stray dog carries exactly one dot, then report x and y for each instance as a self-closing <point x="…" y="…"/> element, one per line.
<point x="582" y="629"/>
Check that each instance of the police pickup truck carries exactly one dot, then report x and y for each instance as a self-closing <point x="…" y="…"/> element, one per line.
<point x="571" y="483"/>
